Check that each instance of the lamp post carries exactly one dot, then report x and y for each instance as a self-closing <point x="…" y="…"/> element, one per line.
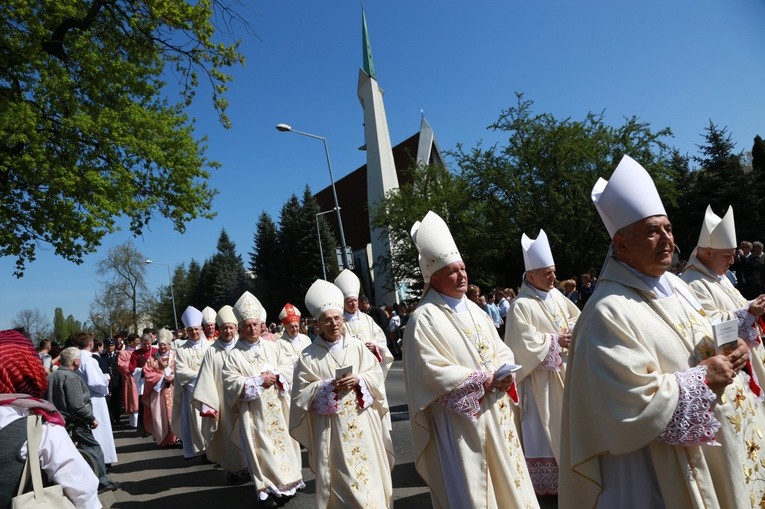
<point x="321" y="249"/>
<point x="172" y="293"/>
<point x="288" y="129"/>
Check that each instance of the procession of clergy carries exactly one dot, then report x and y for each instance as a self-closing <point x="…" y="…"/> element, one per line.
<point x="649" y="398"/>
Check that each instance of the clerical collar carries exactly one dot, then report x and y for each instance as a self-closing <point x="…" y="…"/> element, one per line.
<point x="350" y="317"/>
<point x="659" y="285"/>
<point x="457" y="305"/>
<point x="194" y="344"/>
<point x="249" y="346"/>
<point x="332" y="345"/>
<point x="540" y="293"/>
<point x="228" y="346"/>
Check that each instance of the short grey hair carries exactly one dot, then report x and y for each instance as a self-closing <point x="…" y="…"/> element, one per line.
<point x="69" y="355"/>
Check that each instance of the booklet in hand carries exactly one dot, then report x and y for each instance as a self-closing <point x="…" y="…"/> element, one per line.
<point x="341" y="372"/>
<point x="506" y="370"/>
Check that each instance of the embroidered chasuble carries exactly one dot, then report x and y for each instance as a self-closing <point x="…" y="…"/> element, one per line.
<point x="722" y="301"/>
<point x="349" y="447"/>
<point x="465" y="441"/>
<point x="261" y="416"/>
<point x="632" y="370"/>
<point x="217" y="418"/>
<point x="531" y="333"/>
<point x="187" y="423"/>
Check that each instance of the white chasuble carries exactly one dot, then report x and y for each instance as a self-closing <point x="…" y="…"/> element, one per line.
<point x="469" y="456"/>
<point x="350" y="449"/>
<point x="209" y="400"/>
<point x="261" y="416"/>
<point x="187" y="424"/>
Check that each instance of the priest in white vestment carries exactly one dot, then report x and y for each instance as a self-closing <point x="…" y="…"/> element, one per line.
<point x="187" y="423"/>
<point x="338" y="407"/>
<point x="739" y="481"/>
<point x="641" y="379"/>
<point x="209" y="319"/>
<point x="98" y="386"/>
<point x="259" y="393"/>
<point x="538" y="331"/>
<point x="360" y="325"/>
<point x="210" y="399"/>
<point x="460" y="388"/>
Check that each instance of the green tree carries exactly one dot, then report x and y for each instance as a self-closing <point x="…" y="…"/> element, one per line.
<point x="262" y="266"/>
<point x="226" y="277"/>
<point x="430" y="188"/>
<point x="87" y="131"/>
<point x="64" y="327"/>
<point x="722" y="181"/>
<point x="542" y="177"/>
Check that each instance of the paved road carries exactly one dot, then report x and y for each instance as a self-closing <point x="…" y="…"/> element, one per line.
<point x="155" y="478"/>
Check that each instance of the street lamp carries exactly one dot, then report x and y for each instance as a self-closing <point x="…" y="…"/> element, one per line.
<point x="288" y="129"/>
<point x="318" y="235"/>
<point x="172" y="293"/>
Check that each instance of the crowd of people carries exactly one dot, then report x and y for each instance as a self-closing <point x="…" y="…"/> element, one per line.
<point x="635" y="387"/>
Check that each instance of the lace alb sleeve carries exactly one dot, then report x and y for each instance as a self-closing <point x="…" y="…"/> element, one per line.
<point x="363" y="394"/>
<point x="693" y="422"/>
<point x="324" y="402"/>
<point x="552" y="361"/>
<point x="253" y="388"/>
<point x="465" y="399"/>
<point x="746" y="329"/>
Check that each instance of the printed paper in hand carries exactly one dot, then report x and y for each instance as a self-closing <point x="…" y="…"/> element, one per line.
<point x="506" y="370"/>
<point x="341" y="372"/>
<point x="725" y="332"/>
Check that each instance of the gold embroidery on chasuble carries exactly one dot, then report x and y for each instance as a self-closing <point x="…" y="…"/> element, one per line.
<point x="742" y="414"/>
<point x="271" y="405"/>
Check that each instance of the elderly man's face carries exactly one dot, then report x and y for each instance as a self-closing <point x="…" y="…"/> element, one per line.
<point x="351" y="304"/>
<point x="332" y="325"/>
<point x="717" y="260"/>
<point x="451" y="280"/>
<point x="293" y="328"/>
<point x="542" y="279"/>
<point x="194" y="333"/>
<point x="227" y="332"/>
<point x="646" y="245"/>
<point x="250" y="329"/>
<point x="209" y="328"/>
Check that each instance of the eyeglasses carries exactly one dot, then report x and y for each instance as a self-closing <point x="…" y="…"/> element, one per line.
<point x="335" y="320"/>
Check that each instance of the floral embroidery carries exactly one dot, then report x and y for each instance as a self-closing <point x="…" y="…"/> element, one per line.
<point x="692" y="422"/>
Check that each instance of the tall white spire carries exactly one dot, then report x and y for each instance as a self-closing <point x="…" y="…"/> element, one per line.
<point x="381" y="169"/>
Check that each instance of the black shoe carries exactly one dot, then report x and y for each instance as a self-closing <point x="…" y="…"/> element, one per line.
<point x="112" y="486"/>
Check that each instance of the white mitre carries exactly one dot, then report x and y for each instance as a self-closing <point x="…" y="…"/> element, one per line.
<point x="192" y="317"/>
<point x="323" y="296"/>
<point x="629" y="196"/>
<point x="434" y="243"/>
<point x="718" y="233"/>
<point x="208" y="315"/>
<point x="164" y="336"/>
<point x="226" y="315"/>
<point x="348" y="283"/>
<point x="536" y="253"/>
<point x="263" y="314"/>
<point x="248" y="307"/>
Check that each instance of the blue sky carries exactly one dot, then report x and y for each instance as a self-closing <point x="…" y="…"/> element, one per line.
<point x="676" y="64"/>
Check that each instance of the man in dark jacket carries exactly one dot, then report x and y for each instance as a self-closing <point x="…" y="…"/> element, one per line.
<point x="69" y="394"/>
